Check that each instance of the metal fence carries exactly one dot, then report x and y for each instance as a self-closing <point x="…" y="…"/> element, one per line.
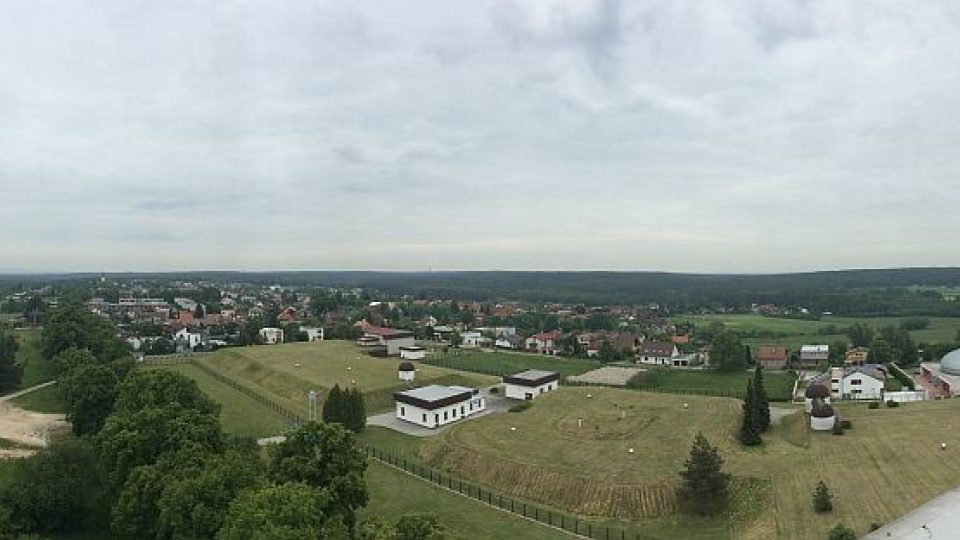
<point x="551" y="518"/>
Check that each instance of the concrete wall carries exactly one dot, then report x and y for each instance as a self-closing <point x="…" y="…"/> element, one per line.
<point x="441" y="416"/>
<point x="516" y="391"/>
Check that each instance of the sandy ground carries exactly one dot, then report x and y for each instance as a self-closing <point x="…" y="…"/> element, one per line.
<point x="607" y="375"/>
<point x="29" y="430"/>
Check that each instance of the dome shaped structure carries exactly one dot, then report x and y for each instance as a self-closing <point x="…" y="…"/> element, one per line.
<point x="407" y="366"/>
<point x="817" y="391"/>
<point x="950" y="363"/>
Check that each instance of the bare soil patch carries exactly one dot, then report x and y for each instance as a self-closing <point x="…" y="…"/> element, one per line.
<point x="613" y="375"/>
<point x="28" y="430"/>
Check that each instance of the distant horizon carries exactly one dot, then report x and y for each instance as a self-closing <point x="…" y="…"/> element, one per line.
<point x="93" y="273"/>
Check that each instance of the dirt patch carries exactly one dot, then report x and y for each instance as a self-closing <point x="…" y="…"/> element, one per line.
<point x="28" y="430"/>
<point x="613" y="375"/>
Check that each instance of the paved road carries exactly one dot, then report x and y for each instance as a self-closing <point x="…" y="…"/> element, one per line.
<point x="939" y="519"/>
<point x="19" y="393"/>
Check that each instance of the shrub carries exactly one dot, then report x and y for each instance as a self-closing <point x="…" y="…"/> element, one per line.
<point x="837" y="428"/>
<point x="874" y="526"/>
<point x="873" y="405"/>
<point x="822" y="499"/>
<point x="891" y="403"/>
<point x="520" y="407"/>
<point x="842" y="532"/>
<point x="846" y="424"/>
<point x="495" y="390"/>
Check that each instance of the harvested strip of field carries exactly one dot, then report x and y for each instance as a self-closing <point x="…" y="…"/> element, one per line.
<point x="611" y="375"/>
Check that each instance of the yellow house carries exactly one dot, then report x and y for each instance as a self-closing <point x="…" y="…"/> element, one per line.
<point x="857" y="356"/>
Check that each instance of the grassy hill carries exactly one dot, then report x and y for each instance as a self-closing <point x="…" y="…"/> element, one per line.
<point x="288" y="372"/>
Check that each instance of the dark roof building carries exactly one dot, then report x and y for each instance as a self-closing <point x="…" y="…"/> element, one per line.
<point x="532" y="378"/>
<point x="434" y="396"/>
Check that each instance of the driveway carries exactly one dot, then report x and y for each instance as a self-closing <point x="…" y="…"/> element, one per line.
<point x="495" y="404"/>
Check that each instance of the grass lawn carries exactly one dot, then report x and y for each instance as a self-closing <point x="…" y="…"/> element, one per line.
<point x="393" y="494"/>
<point x="888" y="464"/>
<point x="36" y="369"/>
<point x="44" y="400"/>
<point x="793" y="333"/>
<point x="506" y="363"/>
<point x="273" y="370"/>
<point x="240" y="414"/>
<point x="778" y="384"/>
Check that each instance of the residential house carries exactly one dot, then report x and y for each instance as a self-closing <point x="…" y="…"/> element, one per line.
<point x="857" y="356"/>
<point x="543" y="343"/>
<point x="508" y="342"/>
<point x="658" y="353"/>
<point x="187" y="341"/>
<point x="772" y="357"/>
<point x="813" y="355"/>
<point x="271" y="336"/>
<point x="435" y="405"/>
<point x="314" y="333"/>
<point x="472" y="340"/>
<point x="389" y="338"/>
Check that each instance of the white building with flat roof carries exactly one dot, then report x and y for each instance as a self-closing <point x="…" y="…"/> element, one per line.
<point x="314" y="333"/>
<point x="529" y="384"/>
<point x="271" y="336"/>
<point x="435" y="405"/>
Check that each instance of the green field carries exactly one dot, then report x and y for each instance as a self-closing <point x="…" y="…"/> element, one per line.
<point x="240" y="414"/>
<point x="795" y="332"/>
<point x="287" y="372"/>
<point x="779" y="385"/>
<point x="44" y="400"/>
<point x="506" y="363"/>
<point x="888" y="464"/>
<point x="36" y="369"/>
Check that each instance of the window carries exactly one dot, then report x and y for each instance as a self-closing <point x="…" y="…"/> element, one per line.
<point x="462" y="411"/>
<point x="454" y="412"/>
<point x="424" y="418"/>
<point x="436" y="418"/>
<point x="855" y="382"/>
<point x="445" y="413"/>
<point x="403" y="411"/>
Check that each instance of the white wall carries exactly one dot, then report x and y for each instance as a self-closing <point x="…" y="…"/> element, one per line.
<point x="435" y="418"/>
<point x="869" y="388"/>
<point x="413" y="355"/>
<point x="393" y="345"/>
<point x="516" y="391"/>
<point x="406" y="375"/>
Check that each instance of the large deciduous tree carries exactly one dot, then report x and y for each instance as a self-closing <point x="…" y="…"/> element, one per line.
<point x="88" y="391"/>
<point x="288" y="511"/>
<point x="10" y="370"/>
<point x="324" y="456"/>
<point x="727" y="352"/>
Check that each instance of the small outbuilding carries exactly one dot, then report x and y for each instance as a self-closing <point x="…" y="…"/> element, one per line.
<point x="407" y="371"/>
<point x="822" y="416"/>
<point x="529" y="384"/>
<point x="435" y="405"/>
<point x="814" y="392"/>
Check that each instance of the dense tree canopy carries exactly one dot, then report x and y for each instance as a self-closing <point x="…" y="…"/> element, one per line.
<point x="727" y="352"/>
<point x="289" y="511"/>
<point x="10" y="370"/>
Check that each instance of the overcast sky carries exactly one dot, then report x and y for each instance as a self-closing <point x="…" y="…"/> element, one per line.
<point x="405" y="135"/>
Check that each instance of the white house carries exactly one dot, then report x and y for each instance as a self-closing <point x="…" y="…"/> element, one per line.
<point x="859" y="383"/>
<point x="658" y="353"/>
<point x="271" y="336"/>
<point x="314" y="333"/>
<point x="407" y="371"/>
<point x="542" y="343"/>
<point x="185" y="339"/>
<point x="471" y="340"/>
<point x="529" y="384"/>
<point x="434" y="406"/>
<point x="413" y="353"/>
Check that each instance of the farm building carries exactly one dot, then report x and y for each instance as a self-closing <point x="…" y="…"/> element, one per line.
<point x="942" y="379"/>
<point x="413" y="353"/>
<point x="390" y="339"/>
<point x="271" y="336"/>
<point x="813" y="355"/>
<point x="772" y="357"/>
<point x="530" y="384"/>
<point x="658" y="353"/>
<point x="407" y="371"/>
<point x="434" y="406"/>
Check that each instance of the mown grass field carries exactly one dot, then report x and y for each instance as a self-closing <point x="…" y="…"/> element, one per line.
<point x="240" y="414"/>
<point x="288" y="372"/>
<point x="36" y="369"/>
<point x="888" y="464"/>
<point x="506" y="363"/>
<point x="794" y="332"/>
<point x="779" y="385"/>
